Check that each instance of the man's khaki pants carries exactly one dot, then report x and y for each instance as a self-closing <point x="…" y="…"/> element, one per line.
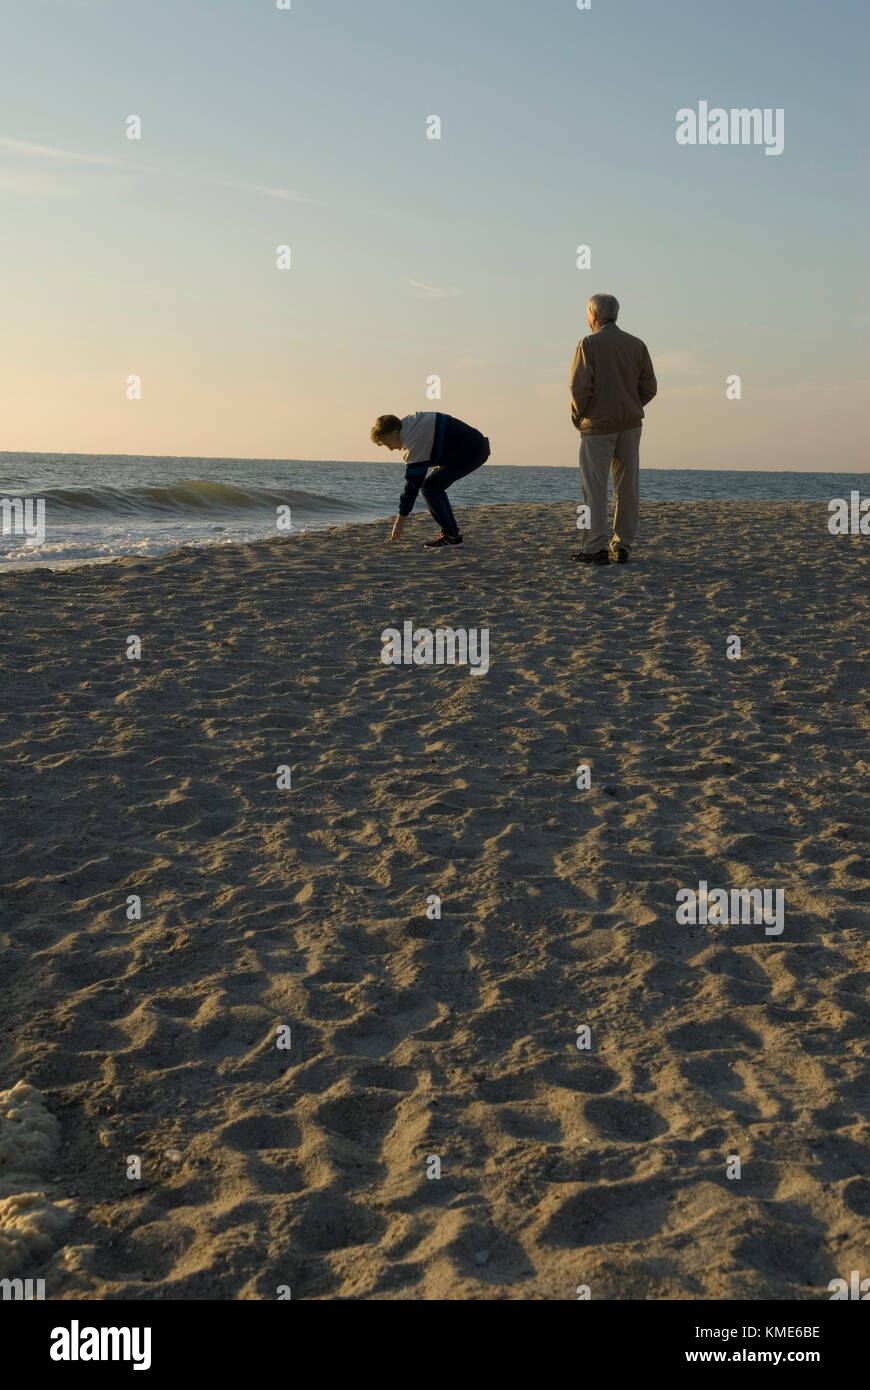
<point x="601" y="454"/>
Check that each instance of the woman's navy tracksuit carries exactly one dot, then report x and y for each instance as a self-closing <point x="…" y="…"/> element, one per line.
<point x="447" y="446"/>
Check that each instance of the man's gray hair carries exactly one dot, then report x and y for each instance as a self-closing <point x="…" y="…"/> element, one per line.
<point x="605" y="307"/>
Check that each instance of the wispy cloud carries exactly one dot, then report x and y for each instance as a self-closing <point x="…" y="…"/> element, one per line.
<point x="420" y="291"/>
<point x="266" y="191"/>
<point x="28" y="150"/>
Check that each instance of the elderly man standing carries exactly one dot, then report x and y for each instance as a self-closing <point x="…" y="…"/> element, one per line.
<point x="612" y="379"/>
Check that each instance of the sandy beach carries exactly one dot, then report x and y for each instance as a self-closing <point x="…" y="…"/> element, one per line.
<point x="414" y="1038"/>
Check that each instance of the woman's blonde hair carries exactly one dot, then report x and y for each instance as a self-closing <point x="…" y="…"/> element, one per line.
<point x="384" y="425"/>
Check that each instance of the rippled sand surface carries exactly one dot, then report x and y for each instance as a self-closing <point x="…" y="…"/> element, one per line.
<point x="412" y="1038"/>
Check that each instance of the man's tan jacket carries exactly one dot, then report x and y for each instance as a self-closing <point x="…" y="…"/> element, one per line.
<point x="612" y="379"/>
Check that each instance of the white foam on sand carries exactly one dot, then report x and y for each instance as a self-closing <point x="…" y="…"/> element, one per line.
<point x="29" y="1138"/>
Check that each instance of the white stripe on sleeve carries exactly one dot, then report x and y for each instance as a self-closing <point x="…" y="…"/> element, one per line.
<point x="418" y="436"/>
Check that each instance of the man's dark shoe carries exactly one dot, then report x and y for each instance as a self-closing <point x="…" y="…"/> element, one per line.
<point x="619" y="554"/>
<point x="598" y="557"/>
<point x="443" y="539"/>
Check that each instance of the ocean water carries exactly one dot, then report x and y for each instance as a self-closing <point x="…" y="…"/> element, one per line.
<point x="98" y="507"/>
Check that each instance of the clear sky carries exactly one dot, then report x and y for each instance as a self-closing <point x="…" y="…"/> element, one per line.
<point x="413" y="257"/>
